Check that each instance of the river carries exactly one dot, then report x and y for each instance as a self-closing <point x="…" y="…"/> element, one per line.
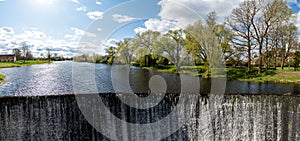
<point x="56" y="78"/>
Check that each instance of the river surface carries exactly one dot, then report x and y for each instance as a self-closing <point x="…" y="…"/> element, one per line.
<point x="57" y="78"/>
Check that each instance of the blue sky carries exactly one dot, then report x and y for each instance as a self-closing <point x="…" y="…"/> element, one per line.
<point x="66" y="26"/>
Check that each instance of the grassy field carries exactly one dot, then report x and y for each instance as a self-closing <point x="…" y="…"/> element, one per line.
<point x="21" y="63"/>
<point x="278" y="76"/>
<point x="194" y="70"/>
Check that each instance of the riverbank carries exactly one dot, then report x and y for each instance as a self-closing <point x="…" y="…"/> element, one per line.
<point x="276" y="76"/>
<point x="22" y="63"/>
<point x="2" y="78"/>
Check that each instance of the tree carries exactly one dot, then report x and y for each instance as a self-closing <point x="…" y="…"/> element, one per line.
<point x="264" y="15"/>
<point x="17" y="53"/>
<point x="111" y="51"/>
<point x="29" y="55"/>
<point x="296" y="59"/>
<point x="49" y="55"/>
<point x="202" y="41"/>
<point x="125" y="51"/>
<point x="224" y="34"/>
<point x="240" y="23"/>
<point x="25" y="51"/>
<point x="172" y="45"/>
<point x="42" y="55"/>
<point x="289" y="41"/>
<point x="193" y="35"/>
<point x="146" y="40"/>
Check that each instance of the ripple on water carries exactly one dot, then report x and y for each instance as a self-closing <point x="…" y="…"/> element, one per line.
<point x="56" y="78"/>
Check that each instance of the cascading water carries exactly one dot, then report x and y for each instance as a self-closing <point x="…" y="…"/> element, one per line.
<point x="230" y="117"/>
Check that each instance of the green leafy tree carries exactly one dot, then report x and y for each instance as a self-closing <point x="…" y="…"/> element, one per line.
<point x="289" y="39"/>
<point x="172" y="45"/>
<point x="296" y="59"/>
<point x="111" y="52"/>
<point x="202" y="42"/>
<point x="146" y="41"/>
<point x="125" y="51"/>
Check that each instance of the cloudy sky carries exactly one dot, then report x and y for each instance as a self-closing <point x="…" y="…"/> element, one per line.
<point x="67" y="27"/>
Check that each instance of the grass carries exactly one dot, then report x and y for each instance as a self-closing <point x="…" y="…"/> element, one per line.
<point x="165" y="69"/>
<point x="21" y="63"/>
<point x="277" y="76"/>
<point x="280" y="76"/>
<point x="193" y="70"/>
<point x="2" y="77"/>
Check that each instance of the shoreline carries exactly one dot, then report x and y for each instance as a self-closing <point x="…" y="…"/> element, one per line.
<point x="2" y="78"/>
<point x="269" y="76"/>
<point x="21" y="63"/>
<point x="125" y="94"/>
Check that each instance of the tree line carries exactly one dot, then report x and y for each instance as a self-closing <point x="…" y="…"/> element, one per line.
<point x="257" y="33"/>
<point x="25" y="54"/>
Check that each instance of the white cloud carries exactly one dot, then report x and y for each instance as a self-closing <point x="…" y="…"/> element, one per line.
<point x="104" y="44"/>
<point x="140" y="30"/>
<point x="6" y="30"/>
<point x="180" y="13"/>
<point x="121" y="18"/>
<point x="99" y="29"/>
<point x="75" y="1"/>
<point x="162" y="26"/>
<point x="188" y="11"/>
<point x="81" y="8"/>
<point x="95" y="15"/>
<point x="297" y="19"/>
<point x="78" y="34"/>
<point x="39" y="42"/>
<point x="98" y="2"/>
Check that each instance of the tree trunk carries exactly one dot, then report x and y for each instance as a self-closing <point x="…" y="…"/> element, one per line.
<point x="260" y="59"/>
<point x="249" y="58"/>
<point x="283" y="60"/>
<point x="267" y="55"/>
<point x="275" y="54"/>
<point x="282" y="63"/>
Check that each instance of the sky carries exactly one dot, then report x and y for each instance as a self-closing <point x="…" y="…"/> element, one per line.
<point x="72" y="27"/>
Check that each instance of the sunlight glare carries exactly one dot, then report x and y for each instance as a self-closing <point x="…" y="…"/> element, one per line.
<point x="44" y="2"/>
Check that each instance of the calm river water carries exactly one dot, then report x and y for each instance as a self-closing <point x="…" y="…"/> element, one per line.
<point x="56" y="78"/>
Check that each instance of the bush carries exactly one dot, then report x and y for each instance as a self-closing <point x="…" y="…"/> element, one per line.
<point x="2" y="77"/>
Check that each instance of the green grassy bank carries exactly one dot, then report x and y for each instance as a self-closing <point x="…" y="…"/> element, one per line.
<point x="272" y="75"/>
<point x="22" y="63"/>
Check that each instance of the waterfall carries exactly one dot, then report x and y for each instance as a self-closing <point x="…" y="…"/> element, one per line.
<point x="229" y="117"/>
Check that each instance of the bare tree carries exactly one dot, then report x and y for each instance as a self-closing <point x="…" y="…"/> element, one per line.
<point x="265" y="14"/>
<point x="17" y="53"/>
<point x="25" y="51"/>
<point x="49" y="55"/>
<point x="240" y="23"/>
